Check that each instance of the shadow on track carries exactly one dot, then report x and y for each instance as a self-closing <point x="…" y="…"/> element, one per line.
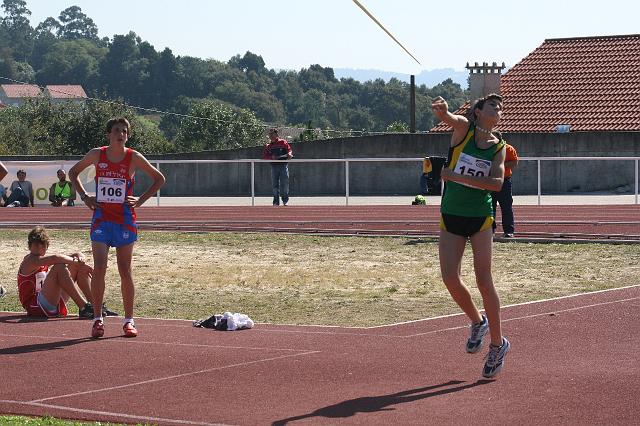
<point x="370" y="404"/>
<point x="49" y="346"/>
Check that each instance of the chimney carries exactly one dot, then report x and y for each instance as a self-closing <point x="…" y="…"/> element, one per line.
<point x="484" y="79"/>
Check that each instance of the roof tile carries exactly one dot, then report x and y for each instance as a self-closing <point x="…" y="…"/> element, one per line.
<point x="21" y="90"/>
<point x="66" y="91"/>
<point x="590" y="83"/>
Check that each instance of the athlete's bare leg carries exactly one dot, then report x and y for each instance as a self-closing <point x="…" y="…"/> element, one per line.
<point x="100" y="258"/>
<point x="482" y="243"/>
<point x="451" y="248"/>
<point x="124" y="255"/>
<point x="83" y="280"/>
<point x="57" y="283"/>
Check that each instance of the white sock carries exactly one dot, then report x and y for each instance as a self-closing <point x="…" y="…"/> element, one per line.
<point x="98" y="319"/>
<point x="126" y="320"/>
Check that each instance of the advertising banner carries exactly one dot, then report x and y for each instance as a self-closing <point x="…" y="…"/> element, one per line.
<point x="43" y="174"/>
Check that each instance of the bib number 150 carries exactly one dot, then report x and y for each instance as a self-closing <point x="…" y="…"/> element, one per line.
<point x="470" y="172"/>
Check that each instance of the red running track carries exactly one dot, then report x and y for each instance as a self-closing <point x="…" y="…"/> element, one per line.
<point x="574" y="361"/>
<point x="602" y="222"/>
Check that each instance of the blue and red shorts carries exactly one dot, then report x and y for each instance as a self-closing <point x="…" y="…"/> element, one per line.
<point x="114" y="234"/>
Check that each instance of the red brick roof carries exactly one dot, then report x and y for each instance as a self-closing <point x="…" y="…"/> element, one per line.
<point x="66" y="91"/>
<point x="590" y="83"/>
<point x="21" y="90"/>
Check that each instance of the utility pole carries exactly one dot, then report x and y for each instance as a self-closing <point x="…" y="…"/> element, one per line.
<point x="412" y="127"/>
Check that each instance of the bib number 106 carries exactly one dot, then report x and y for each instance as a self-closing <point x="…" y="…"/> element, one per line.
<point x="111" y="192"/>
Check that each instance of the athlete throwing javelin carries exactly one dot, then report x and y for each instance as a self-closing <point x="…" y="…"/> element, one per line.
<point x="114" y="217"/>
<point x="475" y="168"/>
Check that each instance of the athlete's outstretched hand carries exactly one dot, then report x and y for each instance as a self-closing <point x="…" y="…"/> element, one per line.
<point x="132" y="201"/>
<point x="439" y="107"/>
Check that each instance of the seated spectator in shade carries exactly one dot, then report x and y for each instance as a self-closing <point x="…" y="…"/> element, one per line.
<point x="21" y="192"/>
<point x="62" y="193"/>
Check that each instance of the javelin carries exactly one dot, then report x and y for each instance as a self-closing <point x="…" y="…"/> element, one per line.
<point x="385" y="30"/>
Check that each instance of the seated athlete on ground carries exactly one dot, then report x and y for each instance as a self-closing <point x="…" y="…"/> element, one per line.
<point x="47" y="281"/>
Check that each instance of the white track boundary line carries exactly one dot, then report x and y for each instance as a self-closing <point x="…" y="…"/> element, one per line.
<point x="111" y="414"/>
<point x="384" y="325"/>
<point x="551" y="299"/>
<point x="174" y="376"/>
<point x="577" y="308"/>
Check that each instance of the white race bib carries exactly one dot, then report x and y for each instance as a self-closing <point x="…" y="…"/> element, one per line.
<point x="468" y="165"/>
<point x="111" y="190"/>
<point x="40" y="277"/>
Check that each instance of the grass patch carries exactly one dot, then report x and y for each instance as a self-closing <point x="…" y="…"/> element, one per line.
<point x="310" y="279"/>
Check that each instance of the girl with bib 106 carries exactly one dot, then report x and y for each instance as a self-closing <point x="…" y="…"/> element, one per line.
<point x="475" y="168"/>
<point x="114" y="216"/>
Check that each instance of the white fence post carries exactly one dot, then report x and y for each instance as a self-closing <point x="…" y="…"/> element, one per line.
<point x="539" y="184"/>
<point x="636" y="181"/>
<point x="253" y="183"/>
<point x="158" y="192"/>
<point x="346" y="181"/>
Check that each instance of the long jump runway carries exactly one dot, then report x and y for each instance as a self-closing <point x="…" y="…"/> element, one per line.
<point x="574" y="361"/>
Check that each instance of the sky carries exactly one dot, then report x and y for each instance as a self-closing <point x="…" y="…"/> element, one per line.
<point x="293" y="34"/>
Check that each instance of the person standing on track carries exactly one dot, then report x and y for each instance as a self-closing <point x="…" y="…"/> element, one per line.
<point x="114" y="217"/>
<point x="475" y="168"/>
<point x="505" y="195"/>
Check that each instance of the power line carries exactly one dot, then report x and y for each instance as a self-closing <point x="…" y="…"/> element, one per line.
<point x="320" y="131"/>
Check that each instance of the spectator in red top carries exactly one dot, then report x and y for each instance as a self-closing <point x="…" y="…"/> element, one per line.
<point x="505" y="196"/>
<point x="278" y="149"/>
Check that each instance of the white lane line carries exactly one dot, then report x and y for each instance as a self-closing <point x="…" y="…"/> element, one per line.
<point x="111" y="414"/>
<point x="175" y="376"/>
<point x="529" y="316"/>
<point x="334" y="327"/>
<point x="512" y="306"/>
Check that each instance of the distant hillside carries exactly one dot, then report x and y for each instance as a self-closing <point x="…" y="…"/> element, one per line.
<point x="429" y="78"/>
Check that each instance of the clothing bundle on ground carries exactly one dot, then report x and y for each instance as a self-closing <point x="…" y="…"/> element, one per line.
<point x="226" y="322"/>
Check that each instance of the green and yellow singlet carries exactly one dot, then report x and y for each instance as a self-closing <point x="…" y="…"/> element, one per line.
<point x="466" y="158"/>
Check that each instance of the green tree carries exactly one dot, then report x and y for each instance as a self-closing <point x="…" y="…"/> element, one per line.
<point x="163" y="79"/>
<point x="123" y="72"/>
<point x="42" y="128"/>
<point x="76" y="25"/>
<point x="44" y="37"/>
<point x="249" y="62"/>
<point x="72" y="62"/>
<point x="398" y="127"/>
<point x="212" y="125"/>
<point x="8" y="67"/>
<point x="16" y="28"/>
<point x="25" y="72"/>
